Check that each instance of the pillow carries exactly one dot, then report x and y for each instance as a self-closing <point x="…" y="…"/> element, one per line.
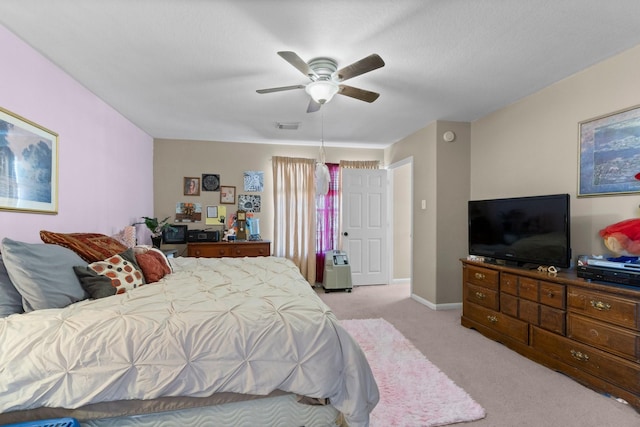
<point x="153" y="266"/>
<point x="10" y="298"/>
<point x="141" y="249"/>
<point x="115" y="275"/>
<point x="43" y="274"/>
<point x="126" y="236"/>
<point x="91" y="247"/>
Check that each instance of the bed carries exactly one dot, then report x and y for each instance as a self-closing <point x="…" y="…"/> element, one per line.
<point x="211" y="342"/>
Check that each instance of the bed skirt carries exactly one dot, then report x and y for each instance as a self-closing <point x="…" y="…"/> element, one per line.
<point x="223" y="409"/>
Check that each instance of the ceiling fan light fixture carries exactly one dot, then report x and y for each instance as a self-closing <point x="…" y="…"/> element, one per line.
<point x="322" y="90"/>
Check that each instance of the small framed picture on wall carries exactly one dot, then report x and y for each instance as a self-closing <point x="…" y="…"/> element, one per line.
<point x="227" y="195"/>
<point x="191" y="186"/>
<point x="210" y="182"/>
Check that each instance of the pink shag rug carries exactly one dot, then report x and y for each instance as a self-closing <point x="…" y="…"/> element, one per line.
<point x="413" y="391"/>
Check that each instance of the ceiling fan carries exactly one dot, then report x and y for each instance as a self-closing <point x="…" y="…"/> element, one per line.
<point x="326" y="79"/>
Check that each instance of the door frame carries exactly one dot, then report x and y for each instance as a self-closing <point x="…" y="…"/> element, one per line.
<point x="390" y="237"/>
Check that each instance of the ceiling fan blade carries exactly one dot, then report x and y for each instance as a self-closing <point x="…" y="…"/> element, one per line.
<point x="293" y="59"/>
<point x="313" y="106"/>
<point x="280" y="89"/>
<point x="361" y="94"/>
<point x="365" y="65"/>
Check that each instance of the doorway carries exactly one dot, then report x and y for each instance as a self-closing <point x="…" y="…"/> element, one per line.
<point x="401" y="221"/>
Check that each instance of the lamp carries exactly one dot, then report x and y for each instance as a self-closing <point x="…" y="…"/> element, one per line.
<point x="322" y="90"/>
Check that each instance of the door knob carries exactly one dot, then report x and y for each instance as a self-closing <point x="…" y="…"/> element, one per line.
<point x="345" y="234"/>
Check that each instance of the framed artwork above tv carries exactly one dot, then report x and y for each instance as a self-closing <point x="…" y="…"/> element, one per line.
<point x="609" y="155"/>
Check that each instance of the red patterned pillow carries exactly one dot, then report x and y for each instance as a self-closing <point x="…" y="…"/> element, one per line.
<point x="153" y="267"/>
<point x="115" y="275"/>
<point x="91" y="247"/>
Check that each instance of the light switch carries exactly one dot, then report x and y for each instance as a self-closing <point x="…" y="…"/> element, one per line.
<point x="424" y="204"/>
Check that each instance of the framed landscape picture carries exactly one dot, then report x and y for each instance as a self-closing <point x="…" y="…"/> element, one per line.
<point x="609" y="157"/>
<point x="28" y="165"/>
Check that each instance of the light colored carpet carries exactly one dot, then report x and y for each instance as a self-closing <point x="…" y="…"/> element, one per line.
<point x="513" y="390"/>
<point x="413" y="391"/>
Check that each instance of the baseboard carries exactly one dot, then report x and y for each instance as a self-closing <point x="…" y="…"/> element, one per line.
<point x="432" y="306"/>
<point x="401" y="281"/>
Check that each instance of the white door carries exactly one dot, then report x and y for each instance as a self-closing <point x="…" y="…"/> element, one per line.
<point x="364" y="224"/>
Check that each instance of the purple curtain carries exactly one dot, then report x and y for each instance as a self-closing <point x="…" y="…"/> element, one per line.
<point x="327" y="220"/>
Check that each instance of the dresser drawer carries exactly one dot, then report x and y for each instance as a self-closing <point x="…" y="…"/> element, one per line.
<point x="610" y="338"/>
<point x="610" y="368"/>
<point x="482" y="296"/>
<point x="509" y="304"/>
<point x="205" y="251"/>
<point x="509" y="283"/>
<point x="513" y="328"/>
<point x="250" y="250"/>
<point x="482" y="277"/>
<point x="599" y="305"/>
<point x="229" y="249"/>
<point x="552" y="294"/>
<point x="553" y="319"/>
<point x="528" y="288"/>
<point x="529" y="311"/>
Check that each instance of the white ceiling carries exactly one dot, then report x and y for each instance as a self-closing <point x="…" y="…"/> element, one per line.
<point x="189" y="69"/>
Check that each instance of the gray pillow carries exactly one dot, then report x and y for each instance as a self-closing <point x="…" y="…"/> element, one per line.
<point x="10" y="299"/>
<point x="43" y="274"/>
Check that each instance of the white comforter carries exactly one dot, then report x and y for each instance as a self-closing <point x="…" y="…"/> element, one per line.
<point x="248" y="325"/>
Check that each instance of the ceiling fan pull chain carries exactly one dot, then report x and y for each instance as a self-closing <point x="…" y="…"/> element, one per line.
<point x="322" y="153"/>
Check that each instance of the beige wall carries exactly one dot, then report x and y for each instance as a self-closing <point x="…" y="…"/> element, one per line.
<point x="531" y="147"/>
<point x="175" y="159"/>
<point x="421" y="146"/>
<point x="441" y="178"/>
<point x="401" y="205"/>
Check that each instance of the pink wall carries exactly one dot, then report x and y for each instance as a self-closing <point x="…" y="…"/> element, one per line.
<point x="105" y="162"/>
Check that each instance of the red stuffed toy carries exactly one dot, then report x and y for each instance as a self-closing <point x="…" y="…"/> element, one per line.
<point x="623" y="237"/>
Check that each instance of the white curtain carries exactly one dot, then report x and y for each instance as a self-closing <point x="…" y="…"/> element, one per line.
<point x="294" y="196"/>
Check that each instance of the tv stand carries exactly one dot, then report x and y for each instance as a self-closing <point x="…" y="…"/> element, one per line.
<point x="588" y="331"/>
<point x="513" y="264"/>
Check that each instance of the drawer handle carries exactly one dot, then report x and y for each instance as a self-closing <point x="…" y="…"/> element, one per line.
<point x="492" y="319"/>
<point x="599" y="305"/>
<point x="479" y="276"/>
<point x="480" y="295"/>
<point x="578" y="355"/>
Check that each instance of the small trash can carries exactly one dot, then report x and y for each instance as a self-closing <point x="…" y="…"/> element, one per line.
<point x="337" y="272"/>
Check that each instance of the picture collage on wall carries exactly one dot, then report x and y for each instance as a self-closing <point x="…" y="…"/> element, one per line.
<point x="253" y="182"/>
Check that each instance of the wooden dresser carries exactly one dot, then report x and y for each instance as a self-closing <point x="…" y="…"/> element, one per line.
<point x="229" y="249"/>
<point x="588" y="331"/>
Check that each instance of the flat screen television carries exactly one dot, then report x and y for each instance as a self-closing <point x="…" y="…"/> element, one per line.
<point x="175" y="234"/>
<point x="522" y="230"/>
